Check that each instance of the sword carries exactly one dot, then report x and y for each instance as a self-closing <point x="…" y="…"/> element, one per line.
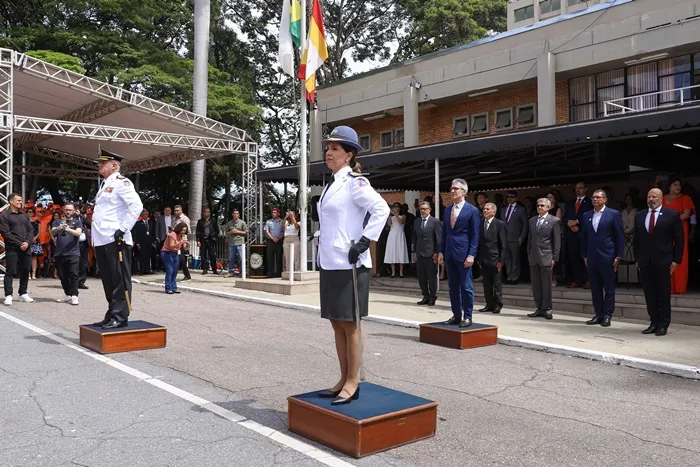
<point x="121" y="266"/>
<point x="358" y="321"/>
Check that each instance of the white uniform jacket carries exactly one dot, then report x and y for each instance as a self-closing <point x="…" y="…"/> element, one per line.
<point x="341" y="212"/>
<point x="117" y="207"/>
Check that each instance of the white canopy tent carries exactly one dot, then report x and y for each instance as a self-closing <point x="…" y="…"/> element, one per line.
<point x="58" y="114"/>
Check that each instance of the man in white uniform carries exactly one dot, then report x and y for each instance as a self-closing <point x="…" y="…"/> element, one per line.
<point x="117" y="208"/>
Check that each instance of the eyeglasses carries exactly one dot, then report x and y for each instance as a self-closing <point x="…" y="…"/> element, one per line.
<point x="541" y="205"/>
<point x="597" y="197"/>
<point x="454" y="188"/>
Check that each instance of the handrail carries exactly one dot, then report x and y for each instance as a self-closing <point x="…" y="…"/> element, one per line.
<point x="640" y="98"/>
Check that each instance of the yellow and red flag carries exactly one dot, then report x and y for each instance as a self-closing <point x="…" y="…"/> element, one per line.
<point x="315" y="52"/>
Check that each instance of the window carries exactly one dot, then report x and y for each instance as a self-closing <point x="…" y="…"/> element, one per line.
<point x="696" y="81"/>
<point x="398" y="138"/>
<point x="386" y="140"/>
<point x="526" y="116"/>
<point x="503" y="119"/>
<point x="610" y="86"/>
<point x="582" y="95"/>
<point x="548" y="6"/>
<point x="480" y="123"/>
<point x="643" y="79"/>
<point x="674" y="74"/>
<point x="521" y="14"/>
<point x="366" y="143"/>
<point x="460" y="127"/>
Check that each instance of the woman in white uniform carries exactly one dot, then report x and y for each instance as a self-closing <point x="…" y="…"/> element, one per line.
<point x="344" y="240"/>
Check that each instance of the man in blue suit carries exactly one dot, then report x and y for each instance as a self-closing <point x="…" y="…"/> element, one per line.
<point x="602" y="241"/>
<point x="460" y="240"/>
<point x="573" y="218"/>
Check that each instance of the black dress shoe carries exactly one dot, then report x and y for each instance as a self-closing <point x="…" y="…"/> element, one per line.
<point x="661" y="331"/>
<point x="114" y="324"/>
<point x="347" y="400"/>
<point x="425" y="301"/>
<point x="465" y="323"/>
<point x="431" y="302"/>
<point x="328" y="394"/>
<point x="536" y="314"/>
<point x="650" y="330"/>
<point x="497" y="310"/>
<point x="548" y="314"/>
<point x="484" y="309"/>
<point x="101" y="323"/>
<point x="594" y="320"/>
<point x="452" y="320"/>
<point x="83" y="287"/>
<point x="605" y="323"/>
<point x="176" y="291"/>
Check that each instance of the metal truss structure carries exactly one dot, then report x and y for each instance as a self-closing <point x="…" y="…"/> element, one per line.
<point x="33" y="133"/>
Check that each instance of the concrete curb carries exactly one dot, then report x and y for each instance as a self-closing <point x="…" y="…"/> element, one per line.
<point x="674" y="369"/>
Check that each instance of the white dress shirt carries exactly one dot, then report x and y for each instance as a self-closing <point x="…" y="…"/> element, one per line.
<point x="487" y="224"/>
<point x="596" y="218"/>
<point x="657" y="213"/>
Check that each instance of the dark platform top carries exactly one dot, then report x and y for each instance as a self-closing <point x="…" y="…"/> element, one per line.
<point x="132" y="326"/>
<point x="456" y="328"/>
<point x="374" y="401"/>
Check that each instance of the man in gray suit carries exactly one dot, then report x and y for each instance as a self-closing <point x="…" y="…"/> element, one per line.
<point x="426" y="237"/>
<point x="543" y="248"/>
<point x="492" y="251"/>
<point x="515" y="218"/>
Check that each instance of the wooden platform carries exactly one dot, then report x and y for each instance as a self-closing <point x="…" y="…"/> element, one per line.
<point x="138" y="335"/>
<point x="381" y="419"/>
<point x="454" y="337"/>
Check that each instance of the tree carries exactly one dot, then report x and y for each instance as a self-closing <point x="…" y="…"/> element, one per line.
<point x="440" y="24"/>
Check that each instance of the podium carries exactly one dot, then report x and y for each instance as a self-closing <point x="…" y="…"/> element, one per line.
<point x="138" y="335"/>
<point x="454" y="337"/>
<point x="381" y="419"/>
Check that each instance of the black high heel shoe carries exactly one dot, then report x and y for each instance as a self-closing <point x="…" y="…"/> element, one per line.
<point x="347" y="400"/>
<point x="328" y="394"/>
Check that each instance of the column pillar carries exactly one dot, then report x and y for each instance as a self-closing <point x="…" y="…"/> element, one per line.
<point x="316" y="154"/>
<point x="410" y="116"/>
<point x="546" y="90"/>
<point x="537" y="9"/>
<point x="564" y="6"/>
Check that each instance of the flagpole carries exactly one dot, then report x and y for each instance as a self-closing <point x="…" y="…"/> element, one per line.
<point x="302" y="152"/>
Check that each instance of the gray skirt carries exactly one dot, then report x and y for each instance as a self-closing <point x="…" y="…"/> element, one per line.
<point x="338" y="296"/>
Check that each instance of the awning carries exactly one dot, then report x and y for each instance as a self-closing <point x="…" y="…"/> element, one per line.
<point x="557" y="148"/>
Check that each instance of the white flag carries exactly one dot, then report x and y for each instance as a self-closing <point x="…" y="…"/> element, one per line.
<point x="286" y="50"/>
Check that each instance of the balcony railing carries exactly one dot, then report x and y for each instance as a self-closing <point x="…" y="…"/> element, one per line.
<point x="652" y="101"/>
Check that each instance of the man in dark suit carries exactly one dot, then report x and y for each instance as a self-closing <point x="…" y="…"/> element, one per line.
<point x="602" y="243"/>
<point x="144" y="239"/>
<point x="573" y="217"/>
<point x="492" y="251"/>
<point x="515" y="218"/>
<point x="658" y="247"/>
<point x="543" y="246"/>
<point x="426" y="237"/>
<point x="460" y="240"/>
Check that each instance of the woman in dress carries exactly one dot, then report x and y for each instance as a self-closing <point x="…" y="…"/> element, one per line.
<point x="35" y="249"/>
<point x="684" y="206"/>
<point x="174" y="241"/>
<point x="396" y="249"/>
<point x="291" y="237"/>
<point x="344" y="241"/>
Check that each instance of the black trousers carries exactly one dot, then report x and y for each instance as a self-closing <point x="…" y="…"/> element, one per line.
<point x="83" y="265"/>
<point x="657" y="292"/>
<point x="427" y="277"/>
<point x="144" y="257"/>
<point x="17" y="262"/>
<point x="208" y="253"/>
<point x="184" y="254"/>
<point x="578" y="267"/>
<point x="274" y="259"/>
<point x="492" y="287"/>
<point x="115" y="277"/>
<point x="68" y="270"/>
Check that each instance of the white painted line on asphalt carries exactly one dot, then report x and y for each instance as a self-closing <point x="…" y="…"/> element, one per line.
<point x="675" y="369"/>
<point x="274" y="435"/>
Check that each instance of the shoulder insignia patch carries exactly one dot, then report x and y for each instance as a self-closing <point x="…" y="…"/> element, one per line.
<point x="362" y="181"/>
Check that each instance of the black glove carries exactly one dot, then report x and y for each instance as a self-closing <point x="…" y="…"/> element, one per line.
<point x="357" y="249"/>
<point x="118" y="236"/>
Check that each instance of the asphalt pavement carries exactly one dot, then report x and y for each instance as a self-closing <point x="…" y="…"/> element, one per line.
<point x="499" y="405"/>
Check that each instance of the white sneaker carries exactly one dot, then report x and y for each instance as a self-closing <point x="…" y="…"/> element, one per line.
<point x="74" y="300"/>
<point x="26" y="298"/>
<point x="8" y="300"/>
<point x="65" y="299"/>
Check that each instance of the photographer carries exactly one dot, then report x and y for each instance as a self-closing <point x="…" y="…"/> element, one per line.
<point x="291" y="237"/>
<point x="67" y="231"/>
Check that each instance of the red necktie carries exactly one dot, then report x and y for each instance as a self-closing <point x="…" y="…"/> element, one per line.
<point x="510" y="211"/>
<point x="578" y="204"/>
<point x="651" y="222"/>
